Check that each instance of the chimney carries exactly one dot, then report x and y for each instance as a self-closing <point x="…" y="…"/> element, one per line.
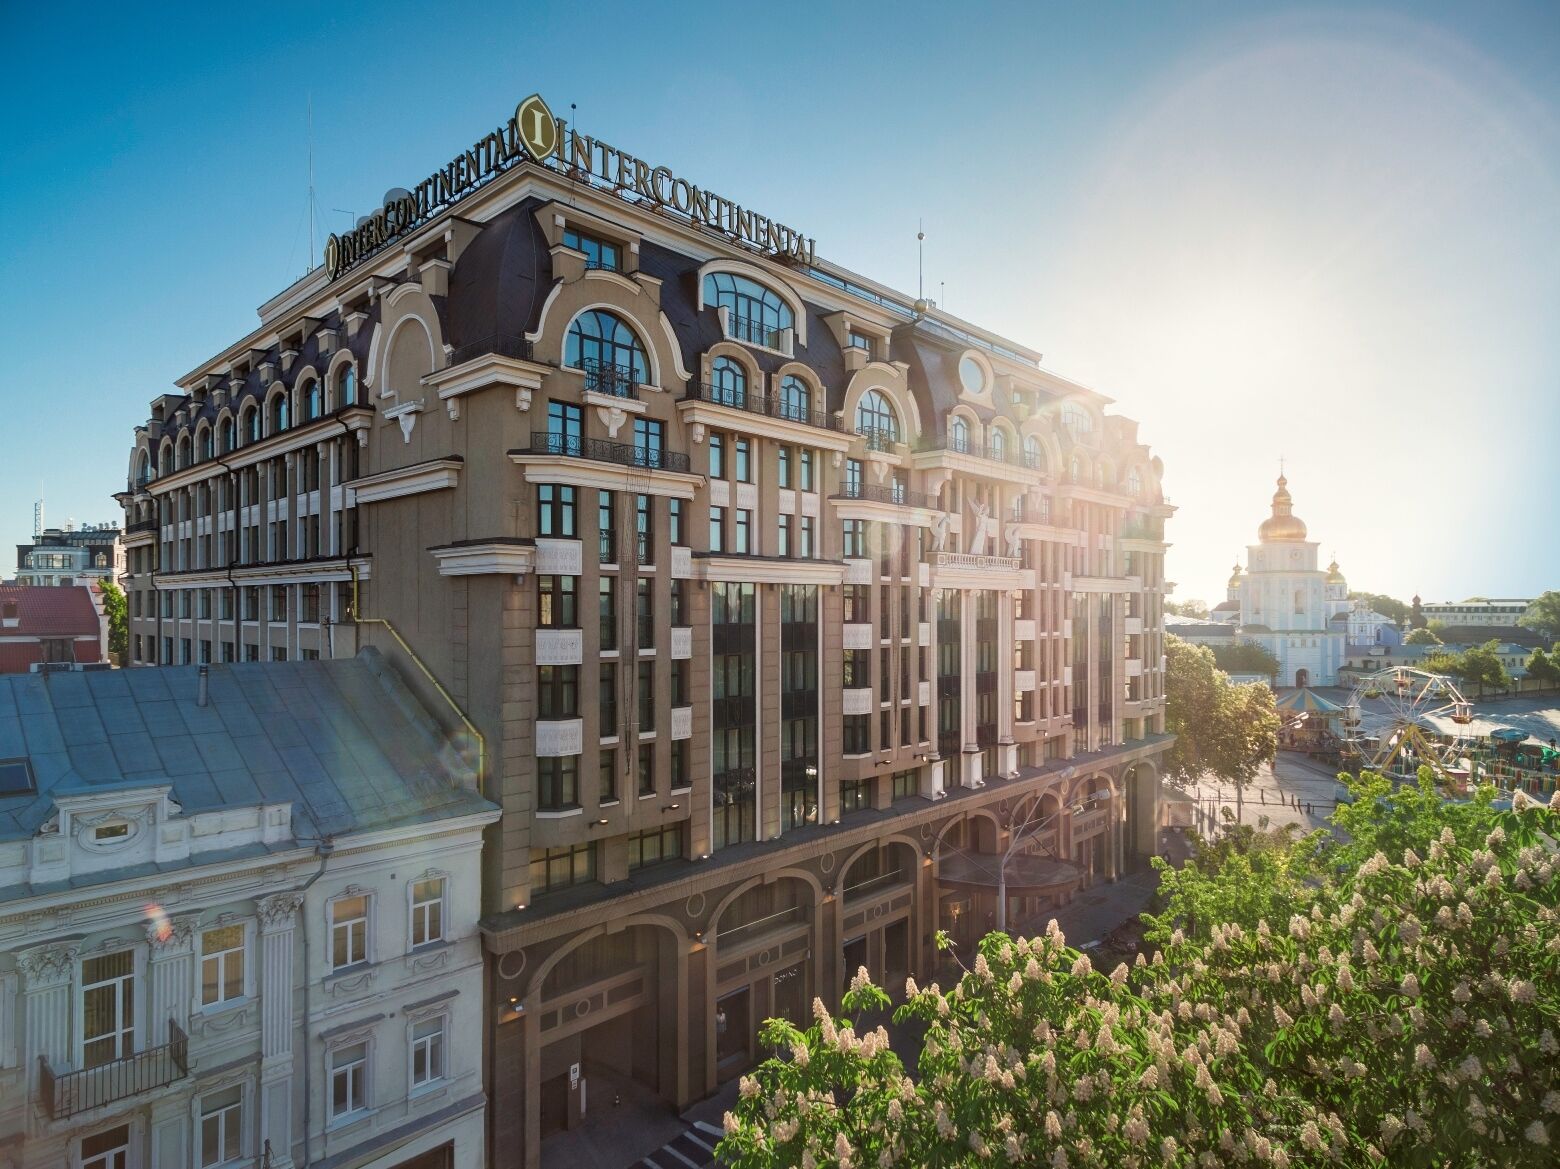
<point x="201" y="694"/>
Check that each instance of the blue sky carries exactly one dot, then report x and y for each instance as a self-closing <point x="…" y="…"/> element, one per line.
<point x="1327" y="233"/>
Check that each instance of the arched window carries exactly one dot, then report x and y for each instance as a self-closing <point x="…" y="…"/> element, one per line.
<point x="959" y="435"/>
<point x="876" y="419"/>
<point x="313" y="400"/>
<point x="1134" y="482"/>
<point x="609" y="352"/>
<point x="997" y="444"/>
<point x="143" y="469"/>
<point x="166" y="458"/>
<point x="251" y="425"/>
<point x="1077" y="421"/>
<point x="754" y="314"/>
<point x="1075" y="472"/>
<point x="225" y="435"/>
<point x="346" y="386"/>
<point x="183" y="456"/>
<point x="280" y="416"/>
<point x="1034" y="458"/>
<point x="795" y="399"/>
<point x="728" y="383"/>
<point x="203" y="445"/>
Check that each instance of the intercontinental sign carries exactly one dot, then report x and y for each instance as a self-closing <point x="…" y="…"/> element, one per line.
<point x="533" y="133"/>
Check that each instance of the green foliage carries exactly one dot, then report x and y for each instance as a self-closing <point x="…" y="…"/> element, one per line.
<point x="117" y="612"/>
<point x="1385" y="605"/>
<point x="1245" y="657"/>
<point x="1436" y="626"/>
<point x="1543" y="669"/>
<point x="1227" y="730"/>
<point x="1543" y="615"/>
<point x="1421" y="637"/>
<point x="1386" y="996"/>
<point x="1478" y="665"/>
<point x="1187" y="608"/>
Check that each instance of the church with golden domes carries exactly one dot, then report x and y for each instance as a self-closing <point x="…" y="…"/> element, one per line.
<point x="1286" y="604"/>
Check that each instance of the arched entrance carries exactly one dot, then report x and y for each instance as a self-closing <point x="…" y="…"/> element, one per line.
<point x="1302" y="679"/>
<point x="1140" y="816"/>
<point x="877" y="890"/>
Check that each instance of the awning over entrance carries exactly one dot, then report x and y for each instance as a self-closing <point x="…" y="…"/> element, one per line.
<point x="1028" y="874"/>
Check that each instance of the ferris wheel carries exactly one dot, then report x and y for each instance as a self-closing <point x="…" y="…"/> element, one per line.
<point x="1388" y="725"/>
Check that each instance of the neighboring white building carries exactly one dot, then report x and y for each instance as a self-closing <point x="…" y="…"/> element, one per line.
<point x="1368" y="627"/>
<point x="1502" y="611"/>
<point x="237" y="922"/>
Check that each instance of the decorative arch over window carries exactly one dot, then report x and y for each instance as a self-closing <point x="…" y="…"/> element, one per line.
<point x="346" y="385"/>
<point x="609" y="351"/>
<point x="1134" y="482"/>
<point x="251" y="424"/>
<point x="225" y="434"/>
<point x="795" y="399"/>
<point x="281" y="414"/>
<point x="1077" y="420"/>
<point x="182" y="456"/>
<point x="203" y="449"/>
<point x="1075" y="470"/>
<point x="958" y="435"/>
<point x="997" y="444"/>
<point x="755" y="313"/>
<point x="876" y="418"/>
<point x="165" y="457"/>
<point x="312" y="397"/>
<point x="728" y="382"/>
<point x="1034" y="454"/>
<point x="143" y="469"/>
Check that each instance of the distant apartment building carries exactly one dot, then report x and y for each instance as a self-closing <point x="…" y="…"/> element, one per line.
<point x="1501" y="611"/>
<point x="67" y="556"/>
<point x="238" y="922"/>
<point x="773" y="596"/>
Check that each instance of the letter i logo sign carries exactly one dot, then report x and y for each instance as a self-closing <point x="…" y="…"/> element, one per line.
<point x="538" y="128"/>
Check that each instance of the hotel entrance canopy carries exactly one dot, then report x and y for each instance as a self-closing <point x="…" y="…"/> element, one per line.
<point x="1028" y="874"/>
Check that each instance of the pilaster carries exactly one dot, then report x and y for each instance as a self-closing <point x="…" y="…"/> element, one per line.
<point x="278" y="925"/>
<point x="172" y="944"/>
<point x="46" y="976"/>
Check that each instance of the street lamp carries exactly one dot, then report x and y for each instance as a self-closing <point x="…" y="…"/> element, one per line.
<point x="1025" y="832"/>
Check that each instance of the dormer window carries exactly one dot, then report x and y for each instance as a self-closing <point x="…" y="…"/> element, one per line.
<point x="111" y="833"/>
<point x="16" y="777"/>
<point x="754" y="314"/>
<point x="855" y="340"/>
<point x="599" y="253"/>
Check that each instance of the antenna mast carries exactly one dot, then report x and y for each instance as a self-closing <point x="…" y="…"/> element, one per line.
<point x="312" y="211"/>
<point x="38" y="514"/>
<point x="920" y="259"/>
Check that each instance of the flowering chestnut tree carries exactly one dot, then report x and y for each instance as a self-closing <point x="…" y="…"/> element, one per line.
<point x="1387" y="995"/>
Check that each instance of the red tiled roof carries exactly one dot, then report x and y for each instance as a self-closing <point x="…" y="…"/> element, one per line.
<point x="48" y="612"/>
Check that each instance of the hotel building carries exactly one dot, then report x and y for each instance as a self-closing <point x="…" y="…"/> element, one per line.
<point x="772" y="602"/>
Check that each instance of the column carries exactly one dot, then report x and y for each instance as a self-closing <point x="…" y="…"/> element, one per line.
<point x="278" y="923"/>
<point x="46" y="974"/>
<point x="1005" y="680"/>
<point x="969" y="765"/>
<point x="170" y="985"/>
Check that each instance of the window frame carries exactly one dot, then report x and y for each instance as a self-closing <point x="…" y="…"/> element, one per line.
<point x="350" y="893"/>
<point x="414" y="904"/>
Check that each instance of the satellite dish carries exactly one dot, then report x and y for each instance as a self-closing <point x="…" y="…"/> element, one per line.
<point x="395" y="195"/>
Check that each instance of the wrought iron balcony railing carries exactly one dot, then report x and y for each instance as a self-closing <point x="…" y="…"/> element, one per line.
<point x="769" y="405"/>
<point x="886" y="493"/>
<point x="879" y="439"/>
<point x="753" y="331"/>
<point x="617" y="381"/>
<point x="545" y="442"/>
<point x="64" y="1094"/>
<point x="502" y="344"/>
<point x="1010" y="455"/>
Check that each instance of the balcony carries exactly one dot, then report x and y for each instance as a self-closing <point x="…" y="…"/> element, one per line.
<point x="768" y="405"/>
<point x="503" y="344"/>
<point x="64" y="1094"/>
<point x="886" y="493"/>
<point x="880" y="440"/>
<point x="753" y="331"/>
<point x="600" y="450"/>
<point x="615" y="381"/>
<point x="1010" y="456"/>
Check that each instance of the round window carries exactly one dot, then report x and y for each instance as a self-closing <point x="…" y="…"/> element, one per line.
<point x="972" y="375"/>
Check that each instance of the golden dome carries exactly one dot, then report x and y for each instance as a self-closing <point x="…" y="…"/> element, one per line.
<point x="1283" y="525"/>
<point x="1333" y="575"/>
<point x="1235" y="577"/>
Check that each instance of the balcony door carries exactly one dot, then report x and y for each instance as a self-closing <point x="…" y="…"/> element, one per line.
<point x="564" y="428"/>
<point x="107" y="1008"/>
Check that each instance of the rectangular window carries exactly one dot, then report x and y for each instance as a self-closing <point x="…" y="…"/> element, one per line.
<point x="655" y="846"/>
<point x="109" y="1149"/>
<point x="744" y="532"/>
<point x="906" y="784"/>
<point x="222" y="1127"/>
<point x="679" y="606"/>
<point x="555" y="510"/>
<point x="348" y="1080"/>
<point x="557" y="692"/>
<point x="855" y="796"/>
<point x="644" y="528"/>
<point x="348" y="932"/>
<point x="278" y="603"/>
<point x="784" y="546"/>
<point x="564" y="428"/>
<point x="854" y="539"/>
<point x="559" y="868"/>
<point x="427" y="1051"/>
<point x="680" y="682"/>
<point x="717" y="529"/>
<point x="858" y="734"/>
<point x="805" y="544"/>
<point x="853" y="478"/>
<point x="607" y="700"/>
<point x="743" y="452"/>
<point x="607" y="793"/>
<point x="680" y="778"/>
<point x="606" y="528"/>
<point x="558" y="782"/>
<point x="606" y="610"/>
<point x="646" y="696"/>
<point x="857" y="668"/>
<point x="806" y="461"/>
<point x="221" y="965"/>
<point x="556" y="603"/>
<point x="783" y="467"/>
<point x="649" y="441"/>
<point x="644" y="612"/>
<point x="427" y="911"/>
<point x="674" y="523"/>
<point x="857" y="604"/>
<point x="107" y="1008"/>
<point x="647" y="769"/>
<point x="598" y="252"/>
<point x="717" y="445"/>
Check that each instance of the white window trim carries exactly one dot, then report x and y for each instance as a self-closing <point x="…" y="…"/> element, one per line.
<point x="333" y="1121"/>
<point x="246" y="1117"/>
<point x="137" y="1138"/>
<point x="444" y="1017"/>
<point x="138" y="1001"/>
<point x="444" y="910"/>
<point x="251" y="954"/>
<point x="368" y="930"/>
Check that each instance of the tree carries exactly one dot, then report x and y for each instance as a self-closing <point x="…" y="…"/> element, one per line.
<point x="1543" y="615"/>
<point x="117" y="612"/>
<point x="1480" y="665"/>
<point x="1421" y="637"/>
<point x="1385" y="605"/>
<point x="1227" y="730"/>
<point x="1436" y="626"/>
<point x="1416" y="614"/>
<point x="1542" y="669"/>
<point x="1187" y="608"/>
<point x="1245" y="657"/>
<point x="1385" y="997"/>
